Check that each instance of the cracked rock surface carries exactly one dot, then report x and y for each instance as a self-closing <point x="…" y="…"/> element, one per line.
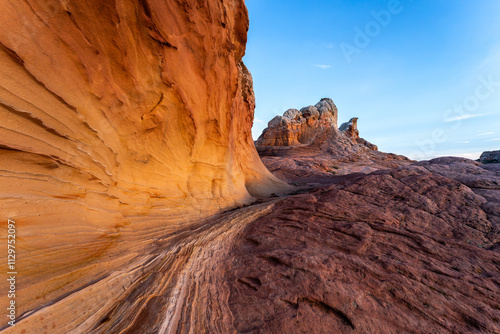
<point x="407" y="250"/>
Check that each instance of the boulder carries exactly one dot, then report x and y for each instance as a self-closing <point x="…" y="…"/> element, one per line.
<point x="310" y="111"/>
<point x="490" y="157"/>
<point x="292" y="114"/>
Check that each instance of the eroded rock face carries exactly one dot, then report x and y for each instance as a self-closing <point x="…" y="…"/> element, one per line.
<point x="306" y="144"/>
<point x="123" y="122"/>
<point x="350" y="129"/>
<point x="490" y="157"/>
<point x="300" y="127"/>
<point x="122" y="91"/>
<point x="119" y="120"/>
<point x="412" y="249"/>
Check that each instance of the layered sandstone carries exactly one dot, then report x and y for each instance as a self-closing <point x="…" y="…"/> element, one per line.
<point x="121" y="120"/>
<point x="306" y="144"/>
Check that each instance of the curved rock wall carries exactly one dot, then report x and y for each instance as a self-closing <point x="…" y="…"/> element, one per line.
<point x="119" y="120"/>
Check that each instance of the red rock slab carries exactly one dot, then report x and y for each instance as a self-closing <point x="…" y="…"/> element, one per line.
<point x="399" y="251"/>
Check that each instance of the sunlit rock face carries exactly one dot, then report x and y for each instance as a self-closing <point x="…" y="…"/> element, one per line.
<point x="119" y="119"/>
<point x="300" y="127"/>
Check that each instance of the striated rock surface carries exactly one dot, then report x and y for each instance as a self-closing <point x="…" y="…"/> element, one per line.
<point x="121" y="120"/>
<point x="413" y="249"/>
<point x="306" y="145"/>
<point x="490" y="157"/>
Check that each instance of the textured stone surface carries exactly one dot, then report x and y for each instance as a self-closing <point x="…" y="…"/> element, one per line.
<point x="120" y="120"/>
<point x="489" y="157"/>
<point x="407" y="250"/>
<point x="411" y="249"/>
<point x="125" y="124"/>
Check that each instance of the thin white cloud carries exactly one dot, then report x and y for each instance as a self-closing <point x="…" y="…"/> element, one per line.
<point x="494" y="139"/>
<point x="459" y="118"/>
<point x="329" y="45"/>
<point x="473" y="155"/>
<point x="323" y="67"/>
<point x="256" y="120"/>
<point x="463" y="142"/>
<point x="486" y="133"/>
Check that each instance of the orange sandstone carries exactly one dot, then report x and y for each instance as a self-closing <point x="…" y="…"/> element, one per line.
<point x="120" y="120"/>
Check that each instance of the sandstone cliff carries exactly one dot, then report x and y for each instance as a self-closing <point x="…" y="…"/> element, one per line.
<point x="119" y="120"/>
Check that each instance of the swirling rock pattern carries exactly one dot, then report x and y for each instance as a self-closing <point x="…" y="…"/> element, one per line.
<point x="120" y="121"/>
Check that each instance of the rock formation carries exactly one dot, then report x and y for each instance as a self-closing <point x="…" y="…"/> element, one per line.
<point x="126" y="126"/>
<point x="300" y="127"/>
<point x="489" y="157"/>
<point x="121" y="120"/>
<point x="350" y="129"/>
<point x="307" y="144"/>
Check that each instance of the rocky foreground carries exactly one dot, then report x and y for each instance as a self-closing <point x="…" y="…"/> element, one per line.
<point x="414" y="249"/>
<point x="396" y="247"/>
<point x="142" y="206"/>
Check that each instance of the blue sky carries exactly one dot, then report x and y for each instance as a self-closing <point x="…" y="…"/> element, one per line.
<point x="423" y="76"/>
